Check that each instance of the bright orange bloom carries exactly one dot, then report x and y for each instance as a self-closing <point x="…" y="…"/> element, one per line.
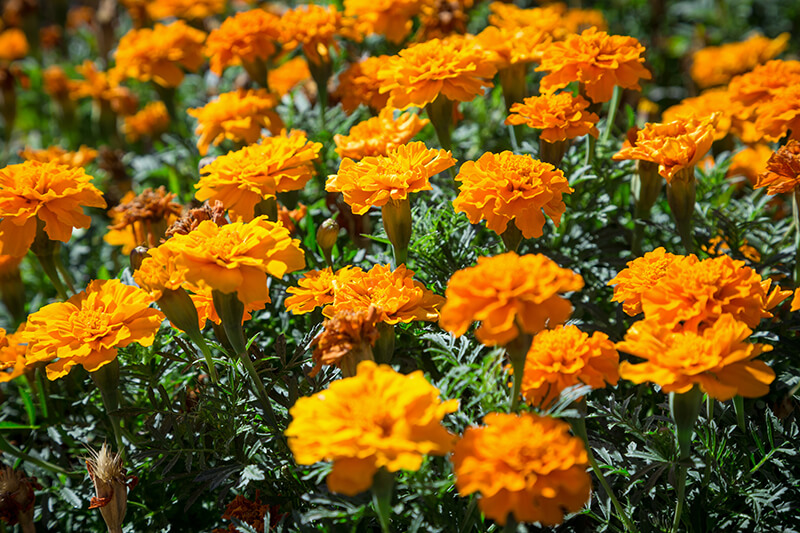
<point x="104" y="88"/>
<point x="718" y="359"/>
<point x="159" y="54"/>
<point x="597" y="60"/>
<point x="501" y="188"/>
<point x="13" y="44"/>
<point x="783" y="170"/>
<point x="359" y="84"/>
<point x="50" y="193"/>
<point x="80" y="158"/>
<point x="750" y="162"/>
<point x="716" y="65"/>
<point x="695" y="293"/>
<point x="527" y="464"/>
<point x="314" y="289"/>
<point x="391" y="18"/>
<point x="88" y="328"/>
<point x="710" y="103"/>
<point x="287" y="76"/>
<point x="566" y="356"/>
<point x="377" y="136"/>
<point x="243" y="178"/>
<point x="420" y="73"/>
<point x="501" y="293"/>
<point x="290" y="217"/>
<point x="577" y="20"/>
<point x="674" y="146"/>
<point x="374" y="181"/>
<point x="795" y="301"/>
<point x="376" y="419"/>
<point x="513" y="46"/>
<point x="185" y="9"/>
<point x="314" y="27"/>
<point x="12" y="354"/>
<point x="238" y="116"/>
<point x="548" y="19"/>
<point x="780" y="115"/>
<point x="763" y="83"/>
<point x="559" y="116"/>
<point x="237" y="257"/>
<point x="247" y="36"/>
<point x="151" y="121"/>
<point x="639" y="276"/>
<point x="56" y="83"/>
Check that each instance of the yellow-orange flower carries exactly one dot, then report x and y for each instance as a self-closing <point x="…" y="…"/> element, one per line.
<point x="780" y="115"/>
<point x="597" y="60"/>
<point x="377" y="136"/>
<point x="513" y="46"/>
<point x="238" y="116"/>
<point x="577" y="20"/>
<point x="639" y="276"/>
<point x="359" y="84"/>
<point x="795" y="301"/>
<point x="559" y="116"/>
<point x="159" y="54"/>
<point x="314" y="289"/>
<point x="290" y="217"/>
<point x="12" y="354"/>
<point x="288" y="75"/>
<point x="376" y="419"/>
<point x="49" y="193"/>
<point x="247" y="36"/>
<point x="151" y="121"/>
<point x="13" y="44"/>
<point x="314" y="27"/>
<point x="718" y="359"/>
<point x="763" y="83"/>
<point x="243" y="178"/>
<point x="501" y="188"/>
<point x="56" y="83"/>
<point x="104" y="88"/>
<point x="674" y="146"/>
<point x="750" y="162"/>
<point x="548" y="19"/>
<point x="509" y="294"/>
<point x="391" y="18"/>
<point x="374" y="181"/>
<point x="79" y="158"/>
<point x="716" y="65"/>
<point x="88" y="328"/>
<point x="526" y="464"/>
<point x="713" y="102"/>
<point x="783" y="170"/>
<point x="185" y="9"/>
<point x="237" y="257"/>
<point x="420" y="73"/>
<point x="566" y="356"/>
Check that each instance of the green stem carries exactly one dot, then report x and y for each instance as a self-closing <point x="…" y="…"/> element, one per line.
<point x="684" y="409"/>
<point x="201" y="343"/>
<point x="676" y="521"/>
<point x="49" y="266"/>
<point x="469" y="515"/>
<point x="67" y="277"/>
<point x="517" y="352"/>
<point x="612" y="113"/>
<point x="382" y="486"/>
<point x="107" y="380"/>
<point x="738" y="407"/>
<point x="511" y="524"/>
<point x="590" y="145"/>
<point x="796" y="216"/>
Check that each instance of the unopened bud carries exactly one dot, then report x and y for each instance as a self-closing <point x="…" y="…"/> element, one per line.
<point x="327" y="234"/>
<point x="138" y="254"/>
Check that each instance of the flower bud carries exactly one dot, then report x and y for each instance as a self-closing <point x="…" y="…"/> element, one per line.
<point x="111" y="484"/>
<point x="397" y="223"/>
<point x="327" y="234"/>
<point x="138" y="255"/>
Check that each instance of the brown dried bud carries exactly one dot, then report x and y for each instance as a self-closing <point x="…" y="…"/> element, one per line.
<point x="17" y="498"/>
<point x="192" y="219"/>
<point x="346" y="340"/>
<point x="111" y="485"/>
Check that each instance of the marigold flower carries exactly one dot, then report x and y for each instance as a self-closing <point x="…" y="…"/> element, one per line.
<point x="314" y="289"/>
<point x="559" y="116"/>
<point x="526" y="464"/>
<point x="674" y="145"/>
<point x="501" y="188"/>
<point x="34" y="192"/>
<point x="576" y="20"/>
<point x="718" y="246"/>
<point x="780" y="115"/>
<point x="513" y="46"/>
<point x="13" y="44"/>
<point x="237" y="257"/>
<point x="159" y="54"/>
<point x="142" y="219"/>
<point x="312" y="26"/>
<point x="717" y="358"/>
<point x="750" y="162"/>
<point x="104" y="88"/>
<point x="12" y="354"/>
<point x="548" y="19"/>
<point x="374" y="181"/>
<point x="185" y="9"/>
<point x="287" y="76"/>
<point x="151" y="121"/>
<point x="597" y="60"/>
<point x="420" y="73"/>
<point x="763" y="83"/>
<point x="716" y="65"/>
<point x="56" y="83"/>
<point x="509" y="294"/>
<point x="783" y="170"/>
<point x="376" y="419"/>
<point x="238" y="116"/>
<point x="247" y="36"/>
<point x="290" y="217"/>
<point x="391" y="18"/>
<point x="80" y="158"/>
<point x="243" y="178"/>
<point x="795" y="305"/>
<point x="345" y="340"/>
<point x="359" y="84"/>
<point x="441" y="18"/>
<point x="639" y="276"/>
<point x="710" y="103"/>
<point x="695" y="293"/>
<point x="377" y="136"/>
<point x="88" y="328"/>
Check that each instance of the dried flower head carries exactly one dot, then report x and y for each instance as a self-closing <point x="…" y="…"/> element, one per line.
<point x="716" y="65"/>
<point x="441" y="18"/>
<point x="111" y="485"/>
<point x="359" y="84"/>
<point x="246" y="37"/>
<point x="79" y="158"/>
<point x="185" y="9"/>
<point x="526" y="465"/>
<point x="376" y="419"/>
<point x="17" y="498"/>
<point x="391" y="18"/>
<point x="214" y="212"/>
<point x="13" y="44"/>
<point x="250" y="512"/>
<point x="783" y="170"/>
<point x="377" y="136"/>
<point x="142" y="219"/>
<point x="151" y="121"/>
<point x="639" y="276"/>
<point x="713" y="102"/>
<point x="314" y="28"/>
<point x="345" y="340"/>
<point x="559" y="116"/>
<point x="510" y="295"/>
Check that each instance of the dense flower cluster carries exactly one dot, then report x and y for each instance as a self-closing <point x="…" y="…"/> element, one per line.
<point x="716" y="65"/>
<point x="79" y="158"/>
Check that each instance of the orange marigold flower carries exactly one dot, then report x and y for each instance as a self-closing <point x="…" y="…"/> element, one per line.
<point x="674" y="145"/>
<point x="238" y="116"/>
<point x="501" y="188"/>
<point x="345" y="340"/>
<point x="502" y="293"/>
<point x="763" y="83"/>
<point x="718" y="359"/>
<point x="151" y="121"/>
<point x="80" y="158"/>
<point x="379" y="135"/>
<point x="420" y="73"/>
<point x="314" y="27"/>
<point x="577" y="20"/>
<point x="709" y="103"/>
<point x="548" y="19"/>
<point x="104" y="87"/>
<point x="391" y="18"/>
<point x="12" y="354"/>
<point x="695" y="293"/>
<point x="359" y="84"/>
<point x="290" y="217"/>
<point x="597" y="60"/>
<point x="49" y="193"/>
<point x="376" y="419"/>
<point x="13" y="44"/>
<point x="185" y="9"/>
<point x="783" y="170"/>
<point x="750" y="162"/>
<point x="780" y="115"/>
<point x="237" y="257"/>
<point x="57" y="84"/>
<point x="526" y="465"/>
<point x="159" y="54"/>
<point x="795" y="301"/>
<point x="374" y="181"/>
<point x="243" y="178"/>
<point x="559" y="116"/>
<point x="314" y="289"/>
<point x="716" y="65"/>
<point x="639" y="276"/>
<point x="247" y="36"/>
<point x="88" y="328"/>
<point x="287" y="76"/>
<point x="513" y="46"/>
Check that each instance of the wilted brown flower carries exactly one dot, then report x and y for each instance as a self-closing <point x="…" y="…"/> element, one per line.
<point x="111" y="484"/>
<point x="16" y="498"/>
<point x="346" y="340"/>
<point x="251" y="512"/>
<point x="147" y="215"/>
<point x="188" y="222"/>
<point x="783" y="170"/>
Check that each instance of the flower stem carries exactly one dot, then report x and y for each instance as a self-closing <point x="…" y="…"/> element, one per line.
<point x="684" y="408"/>
<point x="738" y="407"/>
<point x="201" y="343"/>
<point x="382" y="486"/>
<point x="107" y="380"/>
<point x="517" y="352"/>
<point x="796" y="216"/>
<point x="511" y="524"/>
<point x="590" y="145"/>
<point x="612" y="113"/>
